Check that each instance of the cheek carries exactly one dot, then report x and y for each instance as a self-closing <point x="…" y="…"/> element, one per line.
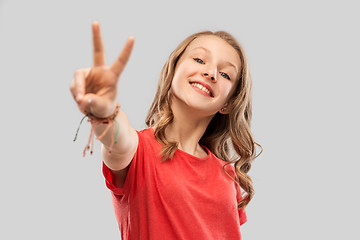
<point x="227" y="90"/>
<point x="177" y="76"/>
<point x="176" y="86"/>
<point x="180" y="77"/>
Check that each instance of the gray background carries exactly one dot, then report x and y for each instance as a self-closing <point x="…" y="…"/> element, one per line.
<point x="304" y="60"/>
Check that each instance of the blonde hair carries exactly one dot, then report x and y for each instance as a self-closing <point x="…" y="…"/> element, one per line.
<point x="225" y="131"/>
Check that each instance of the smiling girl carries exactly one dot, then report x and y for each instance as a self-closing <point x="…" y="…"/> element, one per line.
<point x="185" y="176"/>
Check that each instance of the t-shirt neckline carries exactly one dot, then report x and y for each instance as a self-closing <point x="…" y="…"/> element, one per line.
<point x="181" y="152"/>
<point x="186" y="154"/>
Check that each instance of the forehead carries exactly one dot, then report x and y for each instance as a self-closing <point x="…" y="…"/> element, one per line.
<point x="215" y="46"/>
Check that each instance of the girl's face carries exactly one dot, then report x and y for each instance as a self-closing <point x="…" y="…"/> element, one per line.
<point x="206" y="74"/>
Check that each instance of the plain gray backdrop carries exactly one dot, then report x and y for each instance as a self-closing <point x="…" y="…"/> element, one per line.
<point x="304" y="61"/>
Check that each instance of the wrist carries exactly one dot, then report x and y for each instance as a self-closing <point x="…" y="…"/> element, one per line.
<point x="96" y="121"/>
<point x="106" y="120"/>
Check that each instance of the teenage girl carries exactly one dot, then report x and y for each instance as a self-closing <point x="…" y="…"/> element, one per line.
<point x="174" y="179"/>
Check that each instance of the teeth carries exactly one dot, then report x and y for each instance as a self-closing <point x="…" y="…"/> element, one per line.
<point x="201" y="87"/>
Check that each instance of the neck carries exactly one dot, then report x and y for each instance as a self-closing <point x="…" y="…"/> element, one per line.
<point x="187" y="128"/>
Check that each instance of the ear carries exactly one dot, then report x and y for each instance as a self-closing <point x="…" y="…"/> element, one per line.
<point x="225" y="109"/>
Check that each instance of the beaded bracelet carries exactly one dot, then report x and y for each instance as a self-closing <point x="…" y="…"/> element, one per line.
<point x="95" y="121"/>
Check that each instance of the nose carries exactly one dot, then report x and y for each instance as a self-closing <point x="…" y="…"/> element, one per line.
<point x="211" y="76"/>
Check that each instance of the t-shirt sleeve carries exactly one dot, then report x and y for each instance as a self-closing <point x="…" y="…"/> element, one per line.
<point x="241" y="212"/>
<point x="242" y="216"/>
<point x="110" y="182"/>
<point x="129" y="177"/>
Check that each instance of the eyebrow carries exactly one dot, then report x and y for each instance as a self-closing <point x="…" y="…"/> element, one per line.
<point x="208" y="51"/>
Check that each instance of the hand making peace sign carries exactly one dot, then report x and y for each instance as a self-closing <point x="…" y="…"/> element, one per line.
<point x="95" y="89"/>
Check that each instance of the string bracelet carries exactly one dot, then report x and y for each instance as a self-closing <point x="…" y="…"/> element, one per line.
<point x="95" y="121"/>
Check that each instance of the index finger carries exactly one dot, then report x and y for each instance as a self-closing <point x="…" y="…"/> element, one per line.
<point x="118" y="66"/>
<point x="99" y="55"/>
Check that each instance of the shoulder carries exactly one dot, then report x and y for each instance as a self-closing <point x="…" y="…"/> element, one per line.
<point x="219" y="160"/>
<point x="147" y="141"/>
<point x="227" y="166"/>
<point x="147" y="133"/>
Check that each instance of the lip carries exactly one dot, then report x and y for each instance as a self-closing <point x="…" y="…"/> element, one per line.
<point x="205" y="85"/>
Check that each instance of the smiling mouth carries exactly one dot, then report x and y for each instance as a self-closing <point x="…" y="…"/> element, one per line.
<point x="202" y="87"/>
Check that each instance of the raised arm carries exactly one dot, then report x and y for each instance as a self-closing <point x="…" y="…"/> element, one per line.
<point x="94" y="90"/>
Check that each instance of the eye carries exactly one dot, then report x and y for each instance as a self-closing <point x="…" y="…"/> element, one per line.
<point x="199" y="60"/>
<point x="224" y="75"/>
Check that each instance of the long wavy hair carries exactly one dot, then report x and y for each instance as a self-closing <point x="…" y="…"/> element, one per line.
<point x="225" y="133"/>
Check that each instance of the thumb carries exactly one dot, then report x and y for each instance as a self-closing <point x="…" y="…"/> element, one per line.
<point x="98" y="106"/>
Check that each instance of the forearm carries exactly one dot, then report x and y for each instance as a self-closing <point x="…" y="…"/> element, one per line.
<point x="117" y="154"/>
<point x="119" y="137"/>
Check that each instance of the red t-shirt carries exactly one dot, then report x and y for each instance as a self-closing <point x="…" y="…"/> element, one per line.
<point x="181" y="198"/>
